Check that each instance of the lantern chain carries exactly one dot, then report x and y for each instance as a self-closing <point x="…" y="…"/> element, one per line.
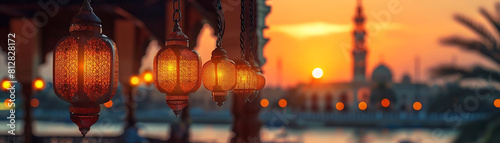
<point x="177" y="11"/>
<point x="242" y="33"/>
<point x="252" y="33"/>
<point x="221" y="24"/>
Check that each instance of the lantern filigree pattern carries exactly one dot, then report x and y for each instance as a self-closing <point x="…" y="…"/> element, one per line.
<point x="261" y="81"/>
<point x="219" y="75"/>
<point x="85" y="68"/>
<point x="177" y="70"/>
<point x="246" y="79"/>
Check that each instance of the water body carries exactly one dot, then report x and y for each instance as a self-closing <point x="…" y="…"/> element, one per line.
<point x="221" y="133"/>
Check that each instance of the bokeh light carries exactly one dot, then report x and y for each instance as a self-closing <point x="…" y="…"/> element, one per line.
<point x="134" y="80"/>
<point x="39" y="84"/>
<point x="264" y="102"/>
<point x="385" y="102"/>
<point x="147" y="77"/>
<point x="5" y="84"/>
<point x="340" y="106"/>
<point x="7" y="102"/>
<point x="497" y="103"/>
<point x="362" y="105"/>
<point x="417" y="106"/>
<point x="34" y="102"/>
<point x="283" y="103"/>
<point x="108" y="104"/>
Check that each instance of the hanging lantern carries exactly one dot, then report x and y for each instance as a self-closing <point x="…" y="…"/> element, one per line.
<point x="85" y="68"/>
<point x="177" y="68"/>
<point x="261" y="80"/>
<point x="246" y="79"/>
<point x="219" y="74"/>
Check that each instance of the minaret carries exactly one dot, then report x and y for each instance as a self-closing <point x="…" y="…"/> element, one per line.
<point x="359" y="51"/>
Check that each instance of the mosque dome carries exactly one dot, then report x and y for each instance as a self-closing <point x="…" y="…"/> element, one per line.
<point x="382" y="74"/>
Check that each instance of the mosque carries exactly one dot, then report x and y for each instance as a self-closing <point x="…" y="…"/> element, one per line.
<point x="379" y="93"/>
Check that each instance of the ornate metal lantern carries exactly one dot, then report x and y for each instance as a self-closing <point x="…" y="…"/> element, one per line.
<point x="261" y="80"/>
<point x="177" y="68"/>
<point x="219" y="74"/>
<point x="246" y="78"/>
<point x="85" y="68"/>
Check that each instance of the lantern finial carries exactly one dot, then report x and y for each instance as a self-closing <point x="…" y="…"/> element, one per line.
<point x="86" y="15"/>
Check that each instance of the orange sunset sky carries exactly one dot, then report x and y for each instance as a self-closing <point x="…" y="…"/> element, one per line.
<point x="317" y="33"/>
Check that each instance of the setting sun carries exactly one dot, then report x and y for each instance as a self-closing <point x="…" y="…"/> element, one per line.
<point x="317" y="73"/>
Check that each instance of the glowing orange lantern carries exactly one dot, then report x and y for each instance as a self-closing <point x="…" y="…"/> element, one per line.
<point x="246" y="79"/>
<point x="85" y="68"/>
<point x="219" y="74"/>
<point x="261" y="80"/>
<point x="177" y="68"/>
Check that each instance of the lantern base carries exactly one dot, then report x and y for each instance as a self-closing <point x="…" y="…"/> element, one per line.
<point x="84" y="116"/>
<point x="177" y="103"/>
<point x="252" y="97"/>
<point x="219" y="97"/>
<point x="244" y="92"/>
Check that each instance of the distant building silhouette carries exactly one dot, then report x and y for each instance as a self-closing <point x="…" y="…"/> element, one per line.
<point x="322" y="97"/>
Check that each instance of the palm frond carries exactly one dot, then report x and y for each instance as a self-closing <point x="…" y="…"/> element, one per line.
<point x="493" y="21"/>
<point x="465" y="73"/>
<point x="497" y="7"/>
<point x="473" y="45"/>
<point x="478" y="28"/>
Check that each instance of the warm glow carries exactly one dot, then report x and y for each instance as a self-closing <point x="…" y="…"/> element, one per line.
<point x="39" y="84"/>
<point x="224" y="76"/>
<point x="317" y="73"/>
<point x="134" y="80"/>
<point x="385" y="102"/>
<point x="283" y="103"/>
<point x="417" y="106"/>
<point x="362" y="106"/>
<point x="34" y="102"/>
<point x="264" y="102"/>
<point x="497" y="103"/>
<point x="7" y="102"/>
<point x="246" y="78"/>
<point x="147" y="77"/>
<point x="340" y="106"/>
<point x="108" y="104"/>
<point x="5" y="84"/>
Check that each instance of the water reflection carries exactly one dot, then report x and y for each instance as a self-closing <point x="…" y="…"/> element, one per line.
<point x="221" y="133"/>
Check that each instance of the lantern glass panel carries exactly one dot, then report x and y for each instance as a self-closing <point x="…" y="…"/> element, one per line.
<point x="224" y="76"/>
